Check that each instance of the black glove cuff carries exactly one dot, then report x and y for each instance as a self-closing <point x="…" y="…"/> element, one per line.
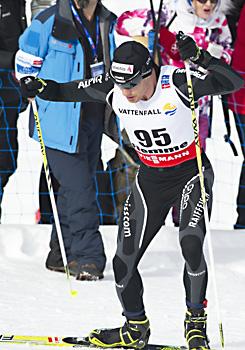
<point x="204" y="59"/>
<point x="198" y="53"/>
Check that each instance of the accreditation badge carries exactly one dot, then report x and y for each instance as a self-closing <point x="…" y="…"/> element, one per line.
<point x="97" y="69"/>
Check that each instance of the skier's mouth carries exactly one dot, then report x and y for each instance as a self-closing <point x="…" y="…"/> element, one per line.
<point x="130" y="98"/>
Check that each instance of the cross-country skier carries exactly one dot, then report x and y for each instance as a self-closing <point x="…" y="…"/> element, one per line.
<point x="153" y="105"/>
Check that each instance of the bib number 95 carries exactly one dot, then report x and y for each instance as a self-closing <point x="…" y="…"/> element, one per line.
<point x="158" y="137"/>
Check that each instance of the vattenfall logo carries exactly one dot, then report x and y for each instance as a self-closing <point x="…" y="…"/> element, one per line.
<point x="135" y="112"/>
<point x="169" y="109"/>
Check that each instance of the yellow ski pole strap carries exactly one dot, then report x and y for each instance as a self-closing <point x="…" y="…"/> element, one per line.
<point x="43" y="85"/>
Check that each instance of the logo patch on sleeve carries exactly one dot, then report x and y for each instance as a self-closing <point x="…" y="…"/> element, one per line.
<point x="165" y="81"/>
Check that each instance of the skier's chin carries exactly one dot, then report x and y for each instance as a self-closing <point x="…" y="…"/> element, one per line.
<point x="132" y="99"/>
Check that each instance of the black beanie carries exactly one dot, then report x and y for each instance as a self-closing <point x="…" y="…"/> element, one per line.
<point x="130" y="59"/>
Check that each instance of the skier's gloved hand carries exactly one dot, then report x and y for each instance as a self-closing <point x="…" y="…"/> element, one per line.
<point x="188" y="48"/>
<point x="31" y="86"/>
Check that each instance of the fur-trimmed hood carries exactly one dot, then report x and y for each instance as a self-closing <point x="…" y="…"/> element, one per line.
<point x="186" y="12"/>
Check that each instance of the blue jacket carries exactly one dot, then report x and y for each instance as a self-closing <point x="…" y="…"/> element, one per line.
<point x="52" y="37"/>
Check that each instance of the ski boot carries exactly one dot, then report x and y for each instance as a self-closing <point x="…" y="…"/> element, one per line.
<point x="195" y="329"/>
<point x="133" y="334"/>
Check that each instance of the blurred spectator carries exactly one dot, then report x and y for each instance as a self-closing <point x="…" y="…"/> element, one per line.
<point x="207" y="24"/>
<point x="68" y="41"/>
<point x="233" y="12"/>
<point x="12" y="25"/>
<point x="237" y="105"/>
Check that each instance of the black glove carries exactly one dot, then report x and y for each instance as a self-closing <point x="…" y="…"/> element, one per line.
<point x="31" y="86"/>
<point x="188" y="48"/>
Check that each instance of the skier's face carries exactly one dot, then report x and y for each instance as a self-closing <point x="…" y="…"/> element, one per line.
<point x="143" y="91"/>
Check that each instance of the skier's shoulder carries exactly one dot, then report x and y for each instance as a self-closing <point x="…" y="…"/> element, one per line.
<point x="171" y="73"/>
<point x="165" y="74"/>
<point x="179" y="75"/>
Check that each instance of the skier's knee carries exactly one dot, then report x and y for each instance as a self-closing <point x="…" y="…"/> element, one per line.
<point x="120" y="268"/>
<point x="192" y="251"/>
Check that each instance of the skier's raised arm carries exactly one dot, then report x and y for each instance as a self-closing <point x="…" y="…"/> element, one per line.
<point x="87" y="90"/>
<point x="215" y="76"/>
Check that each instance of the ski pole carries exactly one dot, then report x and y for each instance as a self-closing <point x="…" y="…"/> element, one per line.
<point x="153" y="13"/>
<point x="52" y="199"/>
<point x="156" y="27"/>
<point x="203" y="192"/>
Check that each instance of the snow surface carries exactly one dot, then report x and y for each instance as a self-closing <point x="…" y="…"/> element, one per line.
<point x="35" y="301"/>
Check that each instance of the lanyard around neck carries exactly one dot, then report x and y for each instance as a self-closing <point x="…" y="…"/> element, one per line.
<point x="93" y="45"/>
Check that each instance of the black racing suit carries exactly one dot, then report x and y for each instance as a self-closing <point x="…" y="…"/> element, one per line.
<point x="156" y="190"/>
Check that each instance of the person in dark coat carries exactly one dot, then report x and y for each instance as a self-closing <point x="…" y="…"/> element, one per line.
<point x="12" y="25"/>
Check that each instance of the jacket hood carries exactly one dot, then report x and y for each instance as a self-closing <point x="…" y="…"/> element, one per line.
<point x="233" y="7"/>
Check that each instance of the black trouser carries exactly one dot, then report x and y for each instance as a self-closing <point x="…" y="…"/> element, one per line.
<point x="46" y="212"/>
<point x="76" y="197"/>
<point x="153" y="194"/>
<point x="240" y="125"/>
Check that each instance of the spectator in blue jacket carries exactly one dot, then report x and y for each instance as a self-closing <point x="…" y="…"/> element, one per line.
<point x="73" y="39"/>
